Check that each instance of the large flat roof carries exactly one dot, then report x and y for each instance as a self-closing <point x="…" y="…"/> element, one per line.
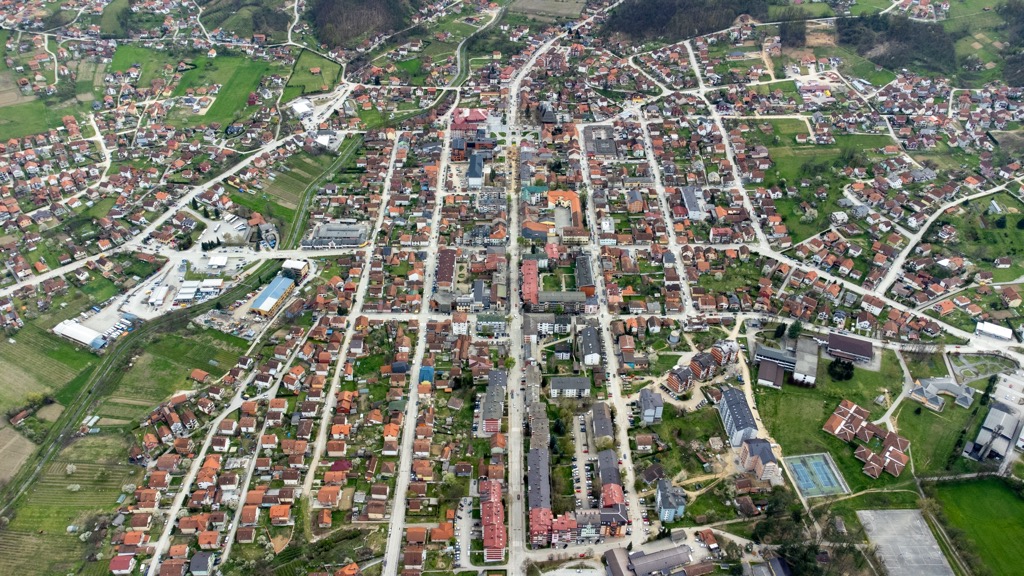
<point x="267" y="299"/>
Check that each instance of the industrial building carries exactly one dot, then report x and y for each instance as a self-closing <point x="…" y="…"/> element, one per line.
<point x="81" y="334"/>
<point x="336" y="235"/>
<point x="273" y="296"/>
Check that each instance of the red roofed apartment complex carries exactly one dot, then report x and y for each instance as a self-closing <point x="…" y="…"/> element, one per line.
<point x="492" y="518"/>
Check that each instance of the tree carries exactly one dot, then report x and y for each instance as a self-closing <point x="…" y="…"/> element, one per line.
<point x="840" y="370"/>
<point x="795" y="329"/>
<point x="780" y="330"/>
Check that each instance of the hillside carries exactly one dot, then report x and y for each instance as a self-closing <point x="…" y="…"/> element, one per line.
<point x="347" y="22"/>
<point x="677" y="19"/>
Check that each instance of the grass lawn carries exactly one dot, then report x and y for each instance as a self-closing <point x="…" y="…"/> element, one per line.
<point x="989" y="513"/>
<point x="110" y="25"/>
<point x="933" y="436"/>
<point x="237" y="75"/>
<point x="677" y="431"/>
<point x="869" y="6"/>
<point x="30" y="118"/>
<point x="812" y="10"/>
<point x="740" y="276"/>
<point x="151" y="61"/>
<point x="980" y="237"/>
<point x="303" y="81"/>
<point x="165" y="365"/>
<point x="926" y="365"/>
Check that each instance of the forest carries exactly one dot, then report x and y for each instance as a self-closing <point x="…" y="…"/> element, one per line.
<point x="346" y="22"/>
<point x="1013" y="67"/>
<point x="677" y="19"/>
<point x="896" y="42"/>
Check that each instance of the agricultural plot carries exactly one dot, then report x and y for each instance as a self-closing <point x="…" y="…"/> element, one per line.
<point x="36" y="363"/>
<point x="300" y="170"/>
<point x="14" y="451"/>
<point x="36" y="540"/>
<point x="549" y="9"/>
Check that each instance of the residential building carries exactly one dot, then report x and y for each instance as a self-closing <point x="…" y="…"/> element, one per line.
<point x="736" y="416"/>
<point x="652" y="406"/>
<point x="669" y="501"/>
<point x="756" y="456"/>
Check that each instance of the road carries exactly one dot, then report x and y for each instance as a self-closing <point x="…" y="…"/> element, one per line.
<point x="396" y="526"/>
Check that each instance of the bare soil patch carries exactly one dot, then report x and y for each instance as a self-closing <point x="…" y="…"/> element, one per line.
<point x="14" y="451"/>
<point x="50" y="412"/>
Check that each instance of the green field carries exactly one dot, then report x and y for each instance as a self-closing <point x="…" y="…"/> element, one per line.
<point x="933" y="436"/>
<point x="989" y="513"/>
<point x="980" y="237"/>
<point x="869" y="6"/>
<point x="164" y="366"/>
<point x="677" y="432"/>
<point x="237" y="75"/>
<point x="811" y="10"/>
<point x="302" y="81"/>
<point x="110" y="23"/>
<point x="36" y="541"/>
<point x="30" y="118"/>
<point x="37" y="362"/>
<point x="152" y="62"/>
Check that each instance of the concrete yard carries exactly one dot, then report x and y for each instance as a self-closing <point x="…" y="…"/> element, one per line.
<point x="905" y="543"/>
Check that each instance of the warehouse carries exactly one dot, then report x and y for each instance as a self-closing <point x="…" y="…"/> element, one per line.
<point x="81" y="334"/>
<point x="273" y="296"/>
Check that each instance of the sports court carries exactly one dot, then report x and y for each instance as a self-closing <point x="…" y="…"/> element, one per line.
<point x="816" y="475"/>
<point x="904" y="542"/>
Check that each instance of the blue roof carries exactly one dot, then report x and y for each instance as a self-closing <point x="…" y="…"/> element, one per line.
<point x="426" y="374"/>
<point x="277" y="287"/>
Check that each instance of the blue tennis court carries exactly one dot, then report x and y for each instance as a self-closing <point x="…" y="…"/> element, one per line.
<point x="816" y="475"/>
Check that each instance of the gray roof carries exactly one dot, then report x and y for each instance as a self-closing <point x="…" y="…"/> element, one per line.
<point x="538" y="490"/>
<point x="847" y="346"/>
<point x="493" y="406"/>
<point x="570" y="383"/>
<point x="650" y="400"/>
<point x="588" y="341"/>
<point x="201" y="561"/>
<point x="602" y="420"/>
<point x="670" y="496"/>
<point x="931" y="388"/>
<point x="806" y="357"/>
<point x="735" y="403"/>
<point x="584" y="274"/>
<point x="608" y="467"/>
<point x="336" y="234"/>
<point x="661" y="562"/>
<point x="476" y="166"/>
<point x="548" y="296"/>
<point x="761" y="448"/>
<point x="781" y="357"/>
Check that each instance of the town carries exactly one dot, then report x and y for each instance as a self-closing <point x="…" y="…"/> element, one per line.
<point x="505" y="290"/>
